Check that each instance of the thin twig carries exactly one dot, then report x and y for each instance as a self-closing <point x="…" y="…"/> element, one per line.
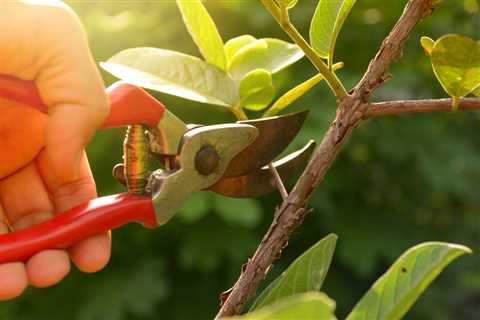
<point x="351" y="110"/>
<point x="415" y="106"/>
<point x="278" y="181"/>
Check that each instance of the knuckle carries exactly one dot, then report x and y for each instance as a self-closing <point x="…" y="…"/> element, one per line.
<point x="82" y="189"/>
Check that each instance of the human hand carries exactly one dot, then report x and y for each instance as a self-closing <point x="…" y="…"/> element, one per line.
<point x="44" y="168"/>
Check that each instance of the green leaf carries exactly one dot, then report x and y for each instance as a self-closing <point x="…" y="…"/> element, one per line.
<point x="233" y="45"/>
<point x="306" y="273"/>
<point x="203" y="31"/>
<point x="395" y="292"/>
<point x="326" y="25"/>
<point x="272" y="55"/>
<point x="292" y="95"/>
<point x="312" y="305"/>
<point x="174" y="73"/>
<point x="256" y="90"/>
<point x="427" y="44"/>
<point x="456" y="63"/>
<point x="289" y="4"/>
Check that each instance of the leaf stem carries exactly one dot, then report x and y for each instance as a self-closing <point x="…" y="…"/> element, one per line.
<point x="298" y="91"/>
<point x="282" y="18"/>
<point x="239" y="113"/>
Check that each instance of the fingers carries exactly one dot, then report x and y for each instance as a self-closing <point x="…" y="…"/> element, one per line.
<point x="92" y="254"/>
<point x="21" y="136"/>
<point x="45" y="268"/>
<point x="13" y="276"/>
<point x="49" y="46"/>
<point x="71" y="85"/>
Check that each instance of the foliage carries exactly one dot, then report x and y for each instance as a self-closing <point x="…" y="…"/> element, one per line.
<point x="302" y="306"/>
<point x="305" y="274"/>
<point x="456" y="62"/>
<point x="235" y="75"/>
<point x="387" y="191"/>
<point x="204" y="32"/>
<point x="396" y="291"/>
<point x="297" y="92"/>
<point x="326" y="25"/>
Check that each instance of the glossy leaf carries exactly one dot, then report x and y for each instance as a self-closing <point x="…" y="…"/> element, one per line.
<point x="174" y="73"/>
<point x="305" y="274"/>
<point x="203" y="31"/>
<point x="427" y="44"/>
<point x="289" y="4"/>
<point x="395" y="292"/>
<point x="270" y="54"/>
<point x="326" y="25"/>
<point x="312" y="305"/>
<point x="256" y="90"/>
<point x="456" y="63"/>
<point x="233" y="45"/>
<point x="292" y="95"/>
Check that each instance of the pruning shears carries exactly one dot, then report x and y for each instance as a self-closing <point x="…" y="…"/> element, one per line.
<point x="230" y="159"/>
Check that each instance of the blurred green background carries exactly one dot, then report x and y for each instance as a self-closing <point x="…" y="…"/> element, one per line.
<point x="398" y="181"/>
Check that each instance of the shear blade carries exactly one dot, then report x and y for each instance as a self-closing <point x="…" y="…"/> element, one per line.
<point x="275" y="134"/>
<point x="261" y="181"/>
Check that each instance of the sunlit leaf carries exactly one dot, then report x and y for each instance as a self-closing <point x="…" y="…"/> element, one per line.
<point x="292" y="95"/>
<point x="256" y="90"/>
<point x="326" y="25"/>
<point x="235" y="44"/>
<point x="287" y="3"/>
<point x="174" y="73"/>
<point x="312" y="305"/>
<point x="395" y="292"/>
<point x="203" y="31"/>
<point x="427" y="44"/>
<point x="270" y="54"/>
<point x="456" y="63"/>
<point x="305" y="274"/>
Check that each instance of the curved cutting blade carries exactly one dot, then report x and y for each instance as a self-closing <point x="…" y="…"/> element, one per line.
<point x="275" y="134"/>
<point x="261" y="181"/>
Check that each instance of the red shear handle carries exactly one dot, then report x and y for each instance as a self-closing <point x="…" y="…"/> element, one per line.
<point x="85" y="220"/>
<point x="128" y="104"/>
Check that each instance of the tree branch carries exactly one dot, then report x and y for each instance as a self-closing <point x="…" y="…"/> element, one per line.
<point x="351" y="110"/>
<point x="415" y="106"/>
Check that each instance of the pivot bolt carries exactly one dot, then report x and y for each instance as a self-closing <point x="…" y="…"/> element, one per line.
<point x="206" y="160"/>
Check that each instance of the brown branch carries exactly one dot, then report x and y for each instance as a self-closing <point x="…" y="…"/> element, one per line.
<point x="415" y="106"/>
<point x="351" y="110"/>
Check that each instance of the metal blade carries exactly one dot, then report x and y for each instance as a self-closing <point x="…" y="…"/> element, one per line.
<point x="276" y="133"/>
<point x="261" y="181"/>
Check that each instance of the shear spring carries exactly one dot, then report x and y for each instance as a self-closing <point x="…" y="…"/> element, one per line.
<point x="135" y="159"/>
